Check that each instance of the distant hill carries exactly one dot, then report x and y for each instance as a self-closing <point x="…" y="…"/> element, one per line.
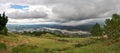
<point x="83" y="27"/>
<point x="35" y="26"/>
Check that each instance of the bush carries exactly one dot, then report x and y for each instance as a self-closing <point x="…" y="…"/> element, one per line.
<point x="31" y="49"/>
<point x="47" y="35"/>
<point x="24" y="49"/>
<point x="78" y="45"/>
<point x="3" y="46"/>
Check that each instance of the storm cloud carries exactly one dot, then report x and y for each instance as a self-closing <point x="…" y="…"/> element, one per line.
<point x="65" y="12"/>
<point x="27" y="15"/>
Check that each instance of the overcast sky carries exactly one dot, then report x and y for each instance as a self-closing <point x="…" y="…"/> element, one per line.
<point x="64" y="12"/>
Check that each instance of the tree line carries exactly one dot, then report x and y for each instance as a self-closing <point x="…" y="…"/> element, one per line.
<point x="111" y="28"/>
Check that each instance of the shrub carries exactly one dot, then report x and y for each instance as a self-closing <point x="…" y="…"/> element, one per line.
<point x="24" y="49"/>
<point x="78" y="45"/>
<point x="47" y="35"/>
<point x="3" y="46"/>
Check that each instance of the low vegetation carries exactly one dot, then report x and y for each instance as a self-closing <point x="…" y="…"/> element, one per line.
<point x="3" y="46"/>
<point x="15" y="43"/>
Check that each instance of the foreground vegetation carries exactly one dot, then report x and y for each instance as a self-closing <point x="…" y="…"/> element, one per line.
<point x="47" y="43"/>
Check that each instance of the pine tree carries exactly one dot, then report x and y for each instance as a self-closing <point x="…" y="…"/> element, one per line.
<point x="97" y="30"/>
<point x="112" y="26"/>
<point x="3" y="21"/>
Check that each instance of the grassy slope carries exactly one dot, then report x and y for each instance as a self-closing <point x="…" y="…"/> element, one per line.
<point x="48" y="44"/>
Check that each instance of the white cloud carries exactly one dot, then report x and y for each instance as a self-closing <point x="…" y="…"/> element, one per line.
<point x="83" y="22"/>
<point x="29" y="21"/>
<point x="65" y="12"/>
<point x="37" y="11"/>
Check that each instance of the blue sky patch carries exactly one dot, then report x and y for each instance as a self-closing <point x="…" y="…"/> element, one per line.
<point x="16" y="6"/>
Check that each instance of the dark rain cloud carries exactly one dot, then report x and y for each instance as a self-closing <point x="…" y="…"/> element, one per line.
<point x="27" y="15"/>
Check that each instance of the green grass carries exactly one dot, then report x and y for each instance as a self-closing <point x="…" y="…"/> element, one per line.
<point x="3" y="46"/>
<point x="47" y="43"/>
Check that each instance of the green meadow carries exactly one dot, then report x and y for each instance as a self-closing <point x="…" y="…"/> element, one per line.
<point x="48" y="43"/>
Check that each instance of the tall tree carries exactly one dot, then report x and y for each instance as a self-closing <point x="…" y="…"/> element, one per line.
<point x="97" y="30"/>
<point x="3" y="21"/>
<point x="112" y="26"/>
